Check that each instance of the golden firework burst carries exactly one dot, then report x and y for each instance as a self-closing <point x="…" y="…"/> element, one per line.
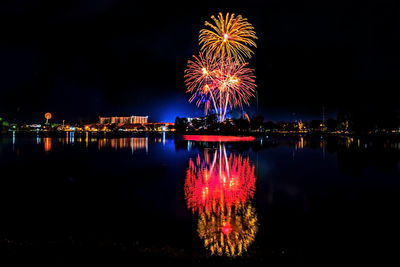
<point x="230" y="36"/>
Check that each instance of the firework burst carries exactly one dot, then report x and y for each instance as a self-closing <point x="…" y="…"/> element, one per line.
<point x="219" y="84"/>
<point x="230" y="36"/>
<point x="200" y="80"/>
<point x="236" y="86"/>
<point x="218" y="78"/>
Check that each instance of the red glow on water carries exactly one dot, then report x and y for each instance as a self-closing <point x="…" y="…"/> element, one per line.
<point x="47" y="144"/>
<point x="218" y="138"/>
<point x="218" y="181"/>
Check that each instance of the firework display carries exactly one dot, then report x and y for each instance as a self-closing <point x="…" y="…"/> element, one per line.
<point x="219" y="188"/>
<point x="219" y="78"/>
<point x="229" y="37"/>
<point x="219" y="84"/>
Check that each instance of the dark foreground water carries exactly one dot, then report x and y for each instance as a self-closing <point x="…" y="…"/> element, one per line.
<point x="162" y="199"/>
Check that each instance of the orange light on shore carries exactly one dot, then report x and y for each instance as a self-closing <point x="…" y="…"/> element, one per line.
<point x="47" y="116"/>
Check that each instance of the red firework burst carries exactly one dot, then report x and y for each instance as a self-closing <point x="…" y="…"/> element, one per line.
<point x="219" y="84"/>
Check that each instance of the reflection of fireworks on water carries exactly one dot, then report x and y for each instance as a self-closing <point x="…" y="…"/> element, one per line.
<point x="228" y="233"/>
<point x="236" y="86"/>
<point x="219" y="181"/>
<point x="219" y="188"/>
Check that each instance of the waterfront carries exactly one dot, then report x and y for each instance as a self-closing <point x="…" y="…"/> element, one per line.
<point x="294" y="199"/>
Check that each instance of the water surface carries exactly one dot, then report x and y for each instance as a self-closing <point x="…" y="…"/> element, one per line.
<point x="165" y="197"/>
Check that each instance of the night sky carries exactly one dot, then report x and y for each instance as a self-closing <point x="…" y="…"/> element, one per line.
<point x="81" y="59"/>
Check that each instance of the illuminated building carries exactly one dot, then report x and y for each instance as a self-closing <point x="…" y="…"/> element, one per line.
<point x="195" y="118"/>
<point x="124" y="120"/>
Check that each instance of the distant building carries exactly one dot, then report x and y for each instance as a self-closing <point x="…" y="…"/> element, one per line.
<point x="191" y="119"/>
<point x="124" y="120"/>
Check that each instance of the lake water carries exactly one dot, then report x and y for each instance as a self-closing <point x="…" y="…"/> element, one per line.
<point x="161" y="198"/>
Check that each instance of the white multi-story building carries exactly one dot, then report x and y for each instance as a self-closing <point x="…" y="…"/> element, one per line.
<point x="124" y="120"/>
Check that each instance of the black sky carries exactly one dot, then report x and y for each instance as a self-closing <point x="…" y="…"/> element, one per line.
<point x="81" y="59"/>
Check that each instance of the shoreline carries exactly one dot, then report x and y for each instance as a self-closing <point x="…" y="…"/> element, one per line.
<point x="205" y="133"/>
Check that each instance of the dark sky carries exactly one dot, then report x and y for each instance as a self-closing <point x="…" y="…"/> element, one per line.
<point x="81" y="59"/>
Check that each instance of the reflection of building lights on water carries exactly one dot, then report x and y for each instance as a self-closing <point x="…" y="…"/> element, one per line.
<point x="87" y="139"/>
<point x="219" y="187"/>
<point x="72" y="137"/>
<point x="163" y="138"/>
<point x="300" y="143"/>
<point x="47" y="144"/>
<point x="134" y="143"/>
